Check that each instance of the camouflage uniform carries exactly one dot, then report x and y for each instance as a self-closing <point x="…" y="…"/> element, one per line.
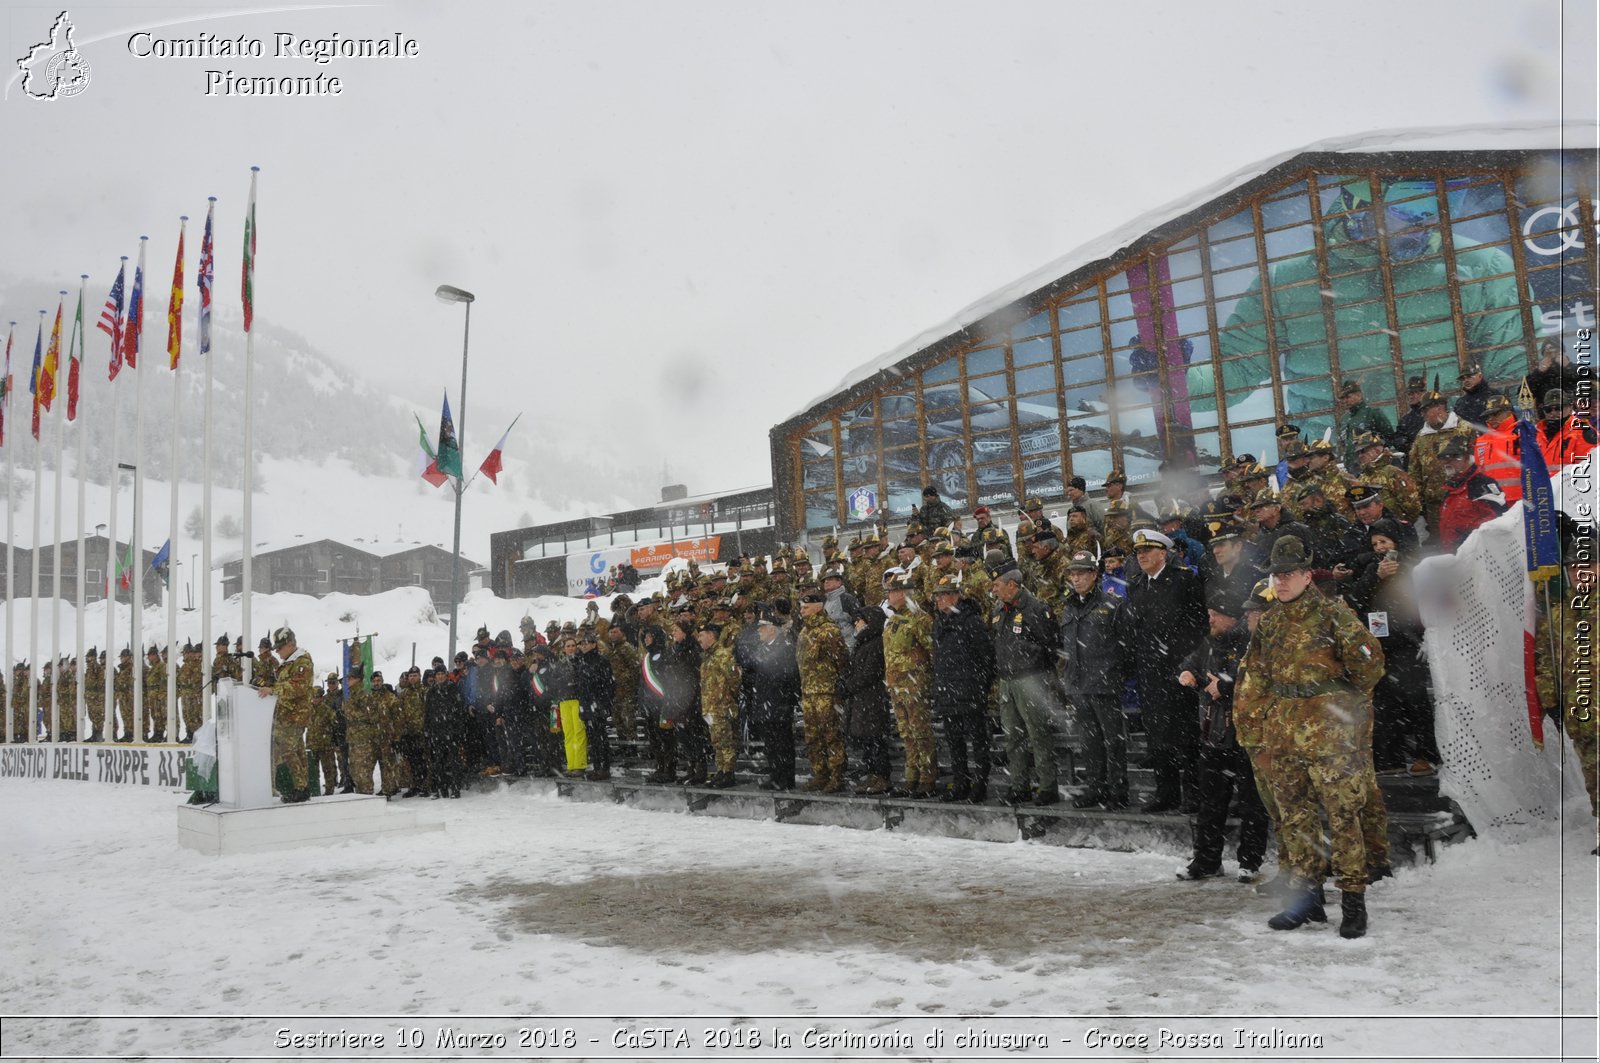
<point x="322" y="738"/>
<point x="907" y="657"/>
<point x="263" y="673"/>
<point x="42" y="705"/>
<point x="67" y="697"/>
<point x="361" y="732"/>
<point x="122" y="694"/>
<point x="390" y="727"/>
<point x="1399" y="494"/>
<point x="155" y="698"/>
<point x="719" y="703"/>
<point x="20" y="681"/>
<point x="226" y="666"/>
<point x="1566" y="684"/>
<point x="1427" y="471"/>
<point x="822" y="657"/>
<point x="1308" y="680"/>
<point x="625" y="700"/>
<point x="293" y="682"/>
<point x="190" y="694"/>
<point x="94" y="696"/>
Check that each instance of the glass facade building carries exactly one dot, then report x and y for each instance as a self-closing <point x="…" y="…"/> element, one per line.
<point x="1196" y="338"/>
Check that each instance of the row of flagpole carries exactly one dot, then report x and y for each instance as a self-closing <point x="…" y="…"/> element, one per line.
<point x="126" y="335"/>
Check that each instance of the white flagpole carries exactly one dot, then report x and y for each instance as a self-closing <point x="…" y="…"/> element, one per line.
<point x="249" y="440"/>
<point x="55" y="573"/>
<point x="11" y="534"/>
<point x="204" y="575"/>
<point x="34" y="670"/>
<point x="173" y="657"/>
<point x="137" y="572"/>
<point x="79" y="712"/>
<point x="114" y="482"/>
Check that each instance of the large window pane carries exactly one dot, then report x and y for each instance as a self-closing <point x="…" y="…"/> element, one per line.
<point x="1036" y="378"/>
<point x="941" y="373"/>
<point x="942" y="411"/>
<point x="986" y="360"/>
<point x="1082" y="341"/>
<point x="1076" y="315"/>
<point x="859" y="444"/>
<point x="1032" y="352"/>
<point x="822" y="509"/>
<point x="1036" y="325"/>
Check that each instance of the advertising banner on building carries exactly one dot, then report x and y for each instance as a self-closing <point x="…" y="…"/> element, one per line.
<point x="586" y="570"/>
<point x="654" y="557"/>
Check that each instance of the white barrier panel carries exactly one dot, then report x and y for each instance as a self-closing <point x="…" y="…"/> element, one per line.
<point x="161" y="767"/>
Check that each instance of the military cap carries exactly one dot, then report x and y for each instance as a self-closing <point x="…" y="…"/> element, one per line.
<point x="126" y="652"/>
<point x="833" y="572"/>
<point x="333" y="677"/>
<point x="1012" y="574"/>
<point x="1173" y="509"/>
<point x="540" y="650"/>
<point x="1142" y="521"/>
<point x="1289" y="555"/>
<point x="1113" y="551"/>
<point x="727" y="604"/>
<point x="153" y="651"/>
<point x="914" y="527"/>
<point x="1433" y="398"/>
<point x="872" y="540"/>
<point x="981" y="511"/>
<point x="1025" y="530"/>
<point x="967" y="551"/>
<point x="222" y="640"/>
<point x="829" y="541"/>
<point x="483" y="633"/>
<point x="1220" y="506"/>
<point x="1255" y="472"/>
<point x="264" y="644"/>
<point x="1265" y="498"/>
<point x="1497" y="404"/>
<point x="1578" y="546"/>
<point x="1470" y="369"/>
<point x="283" y="636"/>
<point x="556" y="624"/>
<point x="570" y="625"/>
<point x="1320" y="446"/>
<point x="1555" y="397"/>
<point x="1244" y="461"/>
<point x="1295" y="449"/>
<point x="1416" y="383"/>
<point x="713" y="627"/>
<point x="901" y="582"/>
<point x="814" y="596"/>
<point x="779" y="567"/>
<point x="801" y="556"/>
<point x="681" y="605"/>
<point x="1083" y="561"/>
<point x="1349" y="387"/>
<point x="1302" y="489"/>
<point x="1224" y="530"/>
<point x="1149" y="538"/>
<point x="1456" y="448"/>
<point x="1220" y="600"/>
<point x="1288" y="431"/>
<point x="621" y="601"/>
<point x="947" y="585"/>
<point x="1031" y="503"/>
<point x="943" y="548"/>
<point x="1360" y="494"/>
<point x="759" y="559"/>
<point x="1116" y="476"/>
<point x="857" y="543"/>
<point x="1078" y="507"/>
<point x="1261" y="596"/>
<point x="736" y="562"/>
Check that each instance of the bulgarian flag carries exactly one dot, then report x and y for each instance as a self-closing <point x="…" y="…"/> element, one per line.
<point x="493" y="464"/>
<point x="427" y="463"/>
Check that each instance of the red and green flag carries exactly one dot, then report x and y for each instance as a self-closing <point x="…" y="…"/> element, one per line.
<point x="427" y="463"/>
<point x="75" y="360"/>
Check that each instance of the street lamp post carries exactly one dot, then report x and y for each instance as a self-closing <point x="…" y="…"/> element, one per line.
<point x="449" y="294"/>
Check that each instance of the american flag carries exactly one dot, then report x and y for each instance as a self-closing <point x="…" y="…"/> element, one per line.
<point x="208" y="271"/>
<point x="111" y="320"/>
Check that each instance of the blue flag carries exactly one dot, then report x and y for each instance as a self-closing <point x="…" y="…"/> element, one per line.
<point x="159" y="562"/>
<point x="1538" y="508"/>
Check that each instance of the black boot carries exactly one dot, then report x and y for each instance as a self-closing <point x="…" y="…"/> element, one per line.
<point x="96" y="737"/>
<point x="664" y="773"/>
<point x="1354" y="907"/>
<point x="1304" y="907"/>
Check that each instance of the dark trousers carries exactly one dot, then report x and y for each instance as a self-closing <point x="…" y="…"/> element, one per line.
<point x="489" y="736"/>
<point x="774" y="728"/>
<point x="594" y="722"/>
<point x="414" y="748"/>
<point x="513" y="741"/>
<point x="446" y="766"/>
<point x="873" y="755"/>
<point x="1402" y="710"/>
<point x="1172" y="723"/>
<point x="694" y="740"/>
<point x="1223" y="774"/>
<point x="1105" y="743"/>
<point x="969" y="730"/>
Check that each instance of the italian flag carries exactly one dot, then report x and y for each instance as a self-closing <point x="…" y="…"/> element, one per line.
<point x="493" y="464"/>
<point x="427" y="463"/>
<point x="651" y="679"/>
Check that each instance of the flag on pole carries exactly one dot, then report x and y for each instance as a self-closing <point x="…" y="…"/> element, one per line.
<point x="247" y="286"/>
<point x="75" y="360"/>
<point x="493" y="464"/>
<point x="52" y="358"/>
<point x="124" y="572"/>
<point x="358" y="660"/>
<point x="175" y="305"/>
<point x="159" y="563"/>
<point x="1538" y="507"/>
<point x="449" y="454"/>
<point x="203" y="278"/>
<point x="5" y="384"/>
<point x="111" y="320"/>
<point x="427" y="464"/>
<point x="33" y="374"/>
<point x="133" y="327"/>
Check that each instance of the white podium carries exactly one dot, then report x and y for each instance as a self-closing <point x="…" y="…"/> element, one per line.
<point x="244" y="746"/>
<point x="249" y="818"/>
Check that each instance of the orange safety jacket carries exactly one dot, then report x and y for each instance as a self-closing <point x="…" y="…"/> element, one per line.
<point x="1499" y="457"/>
<point x="1570" y="443"/>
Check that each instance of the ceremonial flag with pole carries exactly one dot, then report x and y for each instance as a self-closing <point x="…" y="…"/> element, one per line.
<point x="52" y="358"/>
<point x="175" y="308"/>
<point x="247" y="285"/>
<point x="33" y="375"/>
<point x="133" y="327"/>
<point x="111" y="319"/>
<point x="492" y="464"/>
<point x="448" y="457"/>
<point x="158" y="563"/>
<point x="427" y="463"/>
<point x="124" y="572"/>
<point x="1541" y="534"/>
<point x="203" y="278"/>
<point x="75" y="360"/>
<point x="5" y="384"/>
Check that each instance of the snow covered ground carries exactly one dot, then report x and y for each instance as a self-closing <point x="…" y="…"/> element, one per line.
<point x="531" y="906"/>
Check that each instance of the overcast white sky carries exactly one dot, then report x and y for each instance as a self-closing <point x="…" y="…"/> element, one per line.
<point x="684" y="219"/>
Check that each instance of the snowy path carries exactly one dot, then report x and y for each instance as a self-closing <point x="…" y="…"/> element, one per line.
<point x="530" y="905"/>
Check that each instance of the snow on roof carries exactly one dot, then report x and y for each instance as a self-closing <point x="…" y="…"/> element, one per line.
<point x="376" y="549"/>
<point x="1518" y="136"/>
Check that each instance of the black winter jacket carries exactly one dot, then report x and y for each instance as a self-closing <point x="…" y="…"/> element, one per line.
<point x="963" y="660"/>
<point x="1092" y="654"/>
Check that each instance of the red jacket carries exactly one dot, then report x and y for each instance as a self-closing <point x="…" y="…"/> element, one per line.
<point x="1468" y="502"/>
